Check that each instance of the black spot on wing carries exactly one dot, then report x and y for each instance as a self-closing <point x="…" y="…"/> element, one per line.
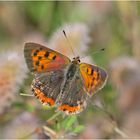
<point x="39" y="57"/>
<point x="87" y="70"/>
<point x="54" y="57"/>
<point x="46" y="54"/>
<point x="41" y="49"/>
<point x="36" y="52"/>
<point x="37" y="63"/>
<point x="42" y="67"/>
<point x="91" y="72"/>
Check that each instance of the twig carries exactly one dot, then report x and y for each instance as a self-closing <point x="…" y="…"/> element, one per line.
<point x="38" y="129"/>
<point x="113" y="121"/>
<point x="29" y="95"/>
<point x="53" y="117"/>
<point x="52" y="132"/>
<point x="117" y="130"/>
<point x="30" y="134"/>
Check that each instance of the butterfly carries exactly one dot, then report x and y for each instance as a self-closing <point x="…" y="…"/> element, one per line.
<point x="61" y="82"/>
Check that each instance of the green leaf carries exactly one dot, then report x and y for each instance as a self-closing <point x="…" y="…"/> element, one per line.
<point x="69" y="121"/>
<point x="78" y="129"/>
<point x="58" y="126"/>
<point x="22" y="105"/>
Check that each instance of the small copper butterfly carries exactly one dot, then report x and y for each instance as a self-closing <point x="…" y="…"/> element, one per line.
<point x="61" y="82"/>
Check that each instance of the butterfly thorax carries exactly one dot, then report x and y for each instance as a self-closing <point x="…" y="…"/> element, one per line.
<point x="71" y="71"/>
<point x="76" y="60"/>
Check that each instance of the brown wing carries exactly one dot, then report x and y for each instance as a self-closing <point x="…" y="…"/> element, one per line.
<point x="75" y="98"/>
<point x="93" y="77"/>
<point x="41" y="59"/>
<point x="46" y="86"/>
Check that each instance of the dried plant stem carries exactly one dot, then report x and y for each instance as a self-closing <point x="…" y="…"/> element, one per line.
<point x="39" y="129"/>
<point x="49" y="131"/>
<point x="53" y="117"/>
<point x="29" y="95"/>
<point x="117" y="130"/>
<point x="113" y="121"/>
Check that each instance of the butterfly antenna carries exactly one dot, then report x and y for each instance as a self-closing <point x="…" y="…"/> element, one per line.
<point x="70" y="44"/>
<point x="98" y="51"/>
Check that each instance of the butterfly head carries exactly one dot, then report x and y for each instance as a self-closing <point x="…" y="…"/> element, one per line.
<point x="76" y="60"/>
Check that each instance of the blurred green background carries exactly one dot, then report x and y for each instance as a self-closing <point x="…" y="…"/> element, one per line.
<point x="90" y="26"/>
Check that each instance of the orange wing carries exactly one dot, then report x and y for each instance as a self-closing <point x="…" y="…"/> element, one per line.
<point x="93" y="77"/>
<point x="41" y="59"/>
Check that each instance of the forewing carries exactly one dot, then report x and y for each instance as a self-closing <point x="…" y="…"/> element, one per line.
<point x="46" y="86"/>
<point x="74" y="99"/>
<point x="41" y="59"/>
<point x="94" y="77"/>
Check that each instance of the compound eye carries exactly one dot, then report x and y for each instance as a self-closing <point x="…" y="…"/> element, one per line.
<point x="79" y="60"/>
